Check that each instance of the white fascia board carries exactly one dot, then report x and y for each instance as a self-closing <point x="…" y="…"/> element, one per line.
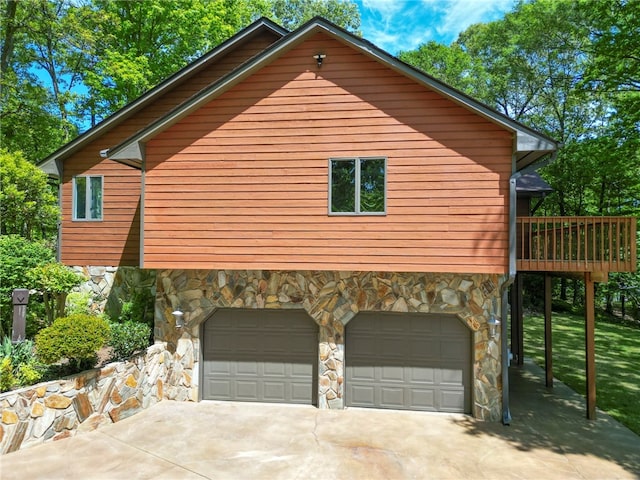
<point x="51" y="167"/>
<point x="527" y="142"/>
<point x="132" y="153"/>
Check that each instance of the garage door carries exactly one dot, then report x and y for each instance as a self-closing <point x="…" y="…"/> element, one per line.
<point x="407" y="361"/>
<point x="260" y="356"/>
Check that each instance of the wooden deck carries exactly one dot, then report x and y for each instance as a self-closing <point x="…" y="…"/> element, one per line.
<point x="576" y="244"/>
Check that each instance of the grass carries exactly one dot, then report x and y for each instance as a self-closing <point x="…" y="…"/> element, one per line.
<point x="617" y="361"/>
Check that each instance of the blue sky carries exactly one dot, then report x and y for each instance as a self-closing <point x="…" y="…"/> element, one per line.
<point x="400" y="25"/>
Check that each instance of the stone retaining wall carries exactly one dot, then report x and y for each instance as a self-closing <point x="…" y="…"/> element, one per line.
<point x="63" y="408"/>
<point x="332" y="299"/>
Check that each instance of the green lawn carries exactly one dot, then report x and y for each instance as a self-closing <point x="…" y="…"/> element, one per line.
<point x="617" y="361"/>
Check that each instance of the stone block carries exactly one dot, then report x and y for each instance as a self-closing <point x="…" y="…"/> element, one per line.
<point x="57" y="401"/>
<point x="130" y="407"/>
<point x="131" y="381"/>
<point x="37" y="409"/>
<point x="115" y="397"/>
<point x="15" y="441"/>
<point x="82" y="406"/>
<point x="62" y="435"/>
<point x="9" y="417"/>
<point x="65" y="422"/>
<point x="42" y="424"/>
<point x="93" y="422"/>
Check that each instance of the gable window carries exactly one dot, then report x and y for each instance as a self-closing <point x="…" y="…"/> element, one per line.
<point x="87" y="198"/>
<point x="357" y="186"/>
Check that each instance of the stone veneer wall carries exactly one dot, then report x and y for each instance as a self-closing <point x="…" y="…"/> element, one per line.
<point x="332" y="299"/>
<point x="63" y="408"/>
<point x="109" y="286"/>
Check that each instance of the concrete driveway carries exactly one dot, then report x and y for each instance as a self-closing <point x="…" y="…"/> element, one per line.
<point x="549" y="438"/>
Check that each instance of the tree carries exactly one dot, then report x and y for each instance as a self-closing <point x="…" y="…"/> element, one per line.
<point x="54" y="281"/>
<point x="28" y="206"/>
<point x="68" y="64"/>
<point x="293" y="13"/>
<point x="451" y="64"/>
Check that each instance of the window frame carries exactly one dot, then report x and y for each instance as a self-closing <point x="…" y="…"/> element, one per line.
<point x="358" y="179"/>
<point x="88" y="201"/>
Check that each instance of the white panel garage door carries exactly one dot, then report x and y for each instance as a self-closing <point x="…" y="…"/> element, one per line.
<point x="260" y="356"/>
<point x="408" y="361"/>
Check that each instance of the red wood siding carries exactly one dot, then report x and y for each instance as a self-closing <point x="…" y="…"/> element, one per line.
<point x="116" y="239"/>
<point x="242" y="182"/>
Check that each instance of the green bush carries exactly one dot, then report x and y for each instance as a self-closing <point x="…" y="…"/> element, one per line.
<point x="79" y="302"/>
<point x="19" y="366"/>
<point x="28" y="374"/>
<point x="7" y="378"/>
<point x="17" y="256"/>
<point x="127" y="338"/>
<point x="76" y="338"/>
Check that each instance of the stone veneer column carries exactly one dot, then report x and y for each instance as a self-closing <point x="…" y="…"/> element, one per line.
<point x="332" y="299"/>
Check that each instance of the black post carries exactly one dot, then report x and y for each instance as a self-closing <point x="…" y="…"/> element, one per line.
<point x="20" y="299"/>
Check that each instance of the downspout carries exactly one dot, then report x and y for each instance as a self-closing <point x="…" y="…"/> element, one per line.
<point x="504" y="294"/>
<point x="504" y="289"/>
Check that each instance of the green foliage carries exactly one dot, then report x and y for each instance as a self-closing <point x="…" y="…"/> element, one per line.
<point x="76" y="338"/>
<point x="79" y="302"/>
<point x="139" y="308"/>
<point x="17" y="256"/>
<point x="28" y="206"/>
<point x="54" y="281"/>
<point x="293" y="13"/>
<point x="19" y="366"/>
<point x="451" y="64"/>
<point x="117" y="49"/>
<point x="128" y="338"/>
<point x="28" y="374"/>
<point x="7" y="378"/>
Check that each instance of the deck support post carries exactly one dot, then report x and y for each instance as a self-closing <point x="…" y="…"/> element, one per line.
<point x="548" y="343"/>
<point x="517" y="324"/>
<point x="590" y="345"/>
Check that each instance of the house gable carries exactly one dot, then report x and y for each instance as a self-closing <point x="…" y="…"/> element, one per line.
<point x="242" y="181"/>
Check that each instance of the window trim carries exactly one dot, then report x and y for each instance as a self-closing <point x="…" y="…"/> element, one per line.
<point x="358" y="213"/>
<point x="87" y="198"/>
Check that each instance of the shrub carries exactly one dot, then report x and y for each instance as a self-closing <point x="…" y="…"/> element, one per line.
<point x="7" y="379"/>
<point x="28" y="374"/>
<point x="18" y="367"/>
<point x="127" y="338"/>
<point x="17" y="256"/>
<point x="79" y="302"/>
<point x="76" y="338"/>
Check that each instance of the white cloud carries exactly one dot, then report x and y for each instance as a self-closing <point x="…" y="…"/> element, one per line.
<point x="386" y="8"/>
<point x="396" y="25"/>
<point x="457" y="15"/>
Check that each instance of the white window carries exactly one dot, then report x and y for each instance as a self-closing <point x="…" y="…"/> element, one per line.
<point x="357" y="186"/>
<point x="87" y="198"/>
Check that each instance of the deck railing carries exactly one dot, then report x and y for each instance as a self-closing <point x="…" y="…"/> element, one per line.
<point x="576" y="244"/>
